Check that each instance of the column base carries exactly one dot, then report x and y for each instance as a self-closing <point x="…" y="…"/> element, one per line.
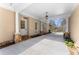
<point x="18" y="38"/>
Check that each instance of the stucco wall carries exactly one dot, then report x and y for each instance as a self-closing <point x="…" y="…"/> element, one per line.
<point x="74" y="25"/>
<point x="48" y="27"/>
<point x="23" y="31"/>
<point x="32" y="30"/>
<point x="30" y="27"/>
<point x="44" y="27"/>
<point x="7" y="24"/>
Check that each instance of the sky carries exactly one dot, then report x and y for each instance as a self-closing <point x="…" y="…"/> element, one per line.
<point x="56" y="22"/>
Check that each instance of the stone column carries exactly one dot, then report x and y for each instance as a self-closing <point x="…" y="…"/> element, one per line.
<point x="17" y="33"/>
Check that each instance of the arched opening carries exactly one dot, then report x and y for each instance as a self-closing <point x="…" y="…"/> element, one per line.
<point x="58" y="25"/>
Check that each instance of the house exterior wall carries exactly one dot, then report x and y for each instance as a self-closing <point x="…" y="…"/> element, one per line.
<point x="44" y="27"/>
<point x="41" y="26"/>
<point x="7" y="25"/>
<point x="32" y="30"/>
<point x="23" y="31"/>
<point x="74" y="25"/>
<point x="47" y="27"/>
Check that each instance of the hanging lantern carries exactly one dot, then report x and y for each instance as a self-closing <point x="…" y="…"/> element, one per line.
<point x="46" y="15"/>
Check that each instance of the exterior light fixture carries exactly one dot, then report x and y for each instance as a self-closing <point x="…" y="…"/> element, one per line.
<point x="46" y="15"/>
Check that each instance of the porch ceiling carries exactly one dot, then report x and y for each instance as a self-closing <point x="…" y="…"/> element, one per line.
<point x="38" y="9"/>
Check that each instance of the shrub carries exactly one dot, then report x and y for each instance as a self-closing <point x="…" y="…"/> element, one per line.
<point x="66" y="42"/>
<point x="69" y="43"/>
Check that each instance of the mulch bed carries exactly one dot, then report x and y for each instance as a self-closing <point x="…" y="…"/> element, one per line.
<point x="8" y="44"/>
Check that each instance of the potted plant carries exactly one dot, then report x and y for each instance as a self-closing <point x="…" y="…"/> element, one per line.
<point x="66" y="35"/>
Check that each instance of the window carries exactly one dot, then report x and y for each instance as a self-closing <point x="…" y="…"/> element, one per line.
<point x="22" y="24"/>
<point x="35" y="26"/>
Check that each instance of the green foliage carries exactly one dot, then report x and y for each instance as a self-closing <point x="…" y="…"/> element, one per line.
<point x="69" y="43"/>
<point x="66" y="42"/>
